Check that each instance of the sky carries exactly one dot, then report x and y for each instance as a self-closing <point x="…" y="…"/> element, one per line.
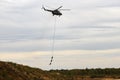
<point x="87" y="36"/>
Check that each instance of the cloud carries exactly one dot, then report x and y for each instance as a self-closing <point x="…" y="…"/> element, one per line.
<point x="29" y="55"/>
<point x="32" y="40"/>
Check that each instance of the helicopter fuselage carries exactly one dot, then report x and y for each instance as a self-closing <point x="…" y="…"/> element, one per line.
<point x="56" y="12"/>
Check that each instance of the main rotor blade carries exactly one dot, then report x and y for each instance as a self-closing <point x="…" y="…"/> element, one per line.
<point x="65" y="9"/>
<point x="59" y="7"/>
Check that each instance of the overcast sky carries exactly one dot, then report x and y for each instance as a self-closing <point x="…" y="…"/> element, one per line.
<point x="87" y="36"/>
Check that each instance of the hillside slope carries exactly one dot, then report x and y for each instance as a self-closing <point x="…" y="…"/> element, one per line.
<point x="13" y="71"/>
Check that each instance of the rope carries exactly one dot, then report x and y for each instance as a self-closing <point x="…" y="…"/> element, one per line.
<point x="53" y="42"/>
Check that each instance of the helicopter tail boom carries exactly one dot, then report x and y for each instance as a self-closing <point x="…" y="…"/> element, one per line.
<point x="46" y="9"/>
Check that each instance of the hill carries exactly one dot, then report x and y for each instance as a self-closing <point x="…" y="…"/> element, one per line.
<point x="13" y="71"/>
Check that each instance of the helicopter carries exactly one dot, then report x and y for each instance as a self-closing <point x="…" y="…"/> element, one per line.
<point x="55" y="11"/>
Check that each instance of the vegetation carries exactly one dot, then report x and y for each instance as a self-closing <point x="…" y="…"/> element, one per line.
<point x="13" y="71"/>
<point x="90" y="73"/>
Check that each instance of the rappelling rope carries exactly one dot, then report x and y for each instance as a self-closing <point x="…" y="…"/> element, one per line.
<point x="53" y="42"/>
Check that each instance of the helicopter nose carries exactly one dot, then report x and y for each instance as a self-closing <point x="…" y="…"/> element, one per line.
<point x="60" y="13"/>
